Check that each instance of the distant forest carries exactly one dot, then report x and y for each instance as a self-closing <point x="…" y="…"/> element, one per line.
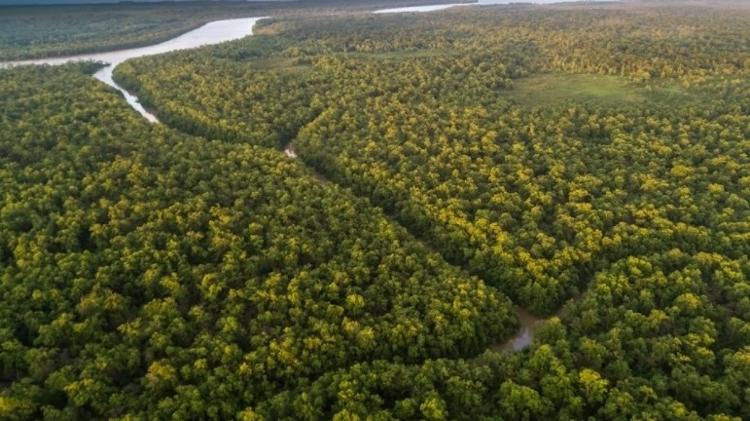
<point x="42" y="31"/>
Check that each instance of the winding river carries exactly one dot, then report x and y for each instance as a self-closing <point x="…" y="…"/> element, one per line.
<point x="211" y="33"/>
<point x="228" y="30"/>
<point x="436" y="7"/>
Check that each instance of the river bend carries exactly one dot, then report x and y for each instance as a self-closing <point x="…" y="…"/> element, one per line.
<point x="211" y="33"/>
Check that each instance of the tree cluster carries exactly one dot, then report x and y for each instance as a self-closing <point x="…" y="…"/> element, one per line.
<point x="146" y="273"/>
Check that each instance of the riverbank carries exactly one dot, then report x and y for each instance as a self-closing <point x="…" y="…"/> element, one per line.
<point x="208" y="34"/>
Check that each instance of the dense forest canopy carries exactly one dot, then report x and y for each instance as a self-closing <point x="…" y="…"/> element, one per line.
<point x="587" y="163"/>
<point x="141" y="266"/>
<point x="415" y="113"/>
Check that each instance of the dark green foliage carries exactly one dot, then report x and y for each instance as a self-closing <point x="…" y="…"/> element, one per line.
<point x="656" y="337"/>
<point x="147" y="272"/>
<point x="638" y="206"/>
<point x="533" y="200"/>
<point x="34" y="31"/>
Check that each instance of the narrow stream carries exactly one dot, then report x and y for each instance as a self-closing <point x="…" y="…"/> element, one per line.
<point x="525" y="335"/>
<point x="289" y="151"/>
<point x="228" y="30"/>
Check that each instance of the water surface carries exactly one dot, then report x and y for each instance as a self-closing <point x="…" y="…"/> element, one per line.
<point x="290" y="152"/>
<point x="231" y="29"/>
<point x="436" y="7"/>
<point x="525" y="336"/>
<point x="208" y="34"/>
<point x="429" y="8"/>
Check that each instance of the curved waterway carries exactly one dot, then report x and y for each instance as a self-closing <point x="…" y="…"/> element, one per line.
<point x="428" y="8"/>
<point x="436" y="7"/>
<point x="211" y="33"/>
<point x="227" y="30"/>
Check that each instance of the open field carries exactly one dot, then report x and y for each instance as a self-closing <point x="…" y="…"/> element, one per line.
<point x="547" y="89"/>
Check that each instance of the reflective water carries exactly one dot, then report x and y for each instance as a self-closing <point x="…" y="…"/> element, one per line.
<point x="227" y="30"/>
<point x="210" y="33"/>
<point x="430" y="8"/>
<point x="290" y="152"/>
<point x="436" y="7"/>
<point x="525" y="335"/>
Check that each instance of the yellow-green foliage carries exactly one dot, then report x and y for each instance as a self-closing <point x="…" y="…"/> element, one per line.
<point x="143" y="271"/>
<point x="147" y="273"/>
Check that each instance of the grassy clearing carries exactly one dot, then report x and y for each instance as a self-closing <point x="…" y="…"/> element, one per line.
<point x="282" y="64"/>
<point x="551" y="89"/>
